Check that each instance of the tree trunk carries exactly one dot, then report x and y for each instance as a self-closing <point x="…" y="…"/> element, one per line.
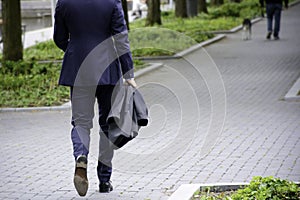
<point x="153" y="15"/>
<point x="216" y="2"/>
<point x="192" y="8"/>
<point x="180" y="9"/>
<point x="12" y="30"/>
<point x="202" y="8"/>
<point x="125" y="9"/>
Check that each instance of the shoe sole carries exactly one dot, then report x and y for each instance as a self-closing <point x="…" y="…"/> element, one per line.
<point x="81" y="185"/>
<point x="106" y="191"/>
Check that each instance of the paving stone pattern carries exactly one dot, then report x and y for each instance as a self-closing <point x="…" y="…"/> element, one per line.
<point x="197" y="133"/>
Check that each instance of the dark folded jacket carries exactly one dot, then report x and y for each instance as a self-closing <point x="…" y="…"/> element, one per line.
<point x="128" y="113"/>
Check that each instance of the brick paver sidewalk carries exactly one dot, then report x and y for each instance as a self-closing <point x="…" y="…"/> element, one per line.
<point x="188" y="106"/>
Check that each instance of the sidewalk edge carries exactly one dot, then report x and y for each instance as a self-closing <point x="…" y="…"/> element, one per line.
<point x="293" y="93"/>
<point x="294" y="3"/>
<point x="186" y="191"/>
<point x="200" y="45"/>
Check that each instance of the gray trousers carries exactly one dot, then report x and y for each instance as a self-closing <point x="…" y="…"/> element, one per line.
<point x="83" y="101"/>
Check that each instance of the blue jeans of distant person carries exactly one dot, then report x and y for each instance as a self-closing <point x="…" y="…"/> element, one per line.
<point x="83" y="101"/>
<point x="274" y="11"/>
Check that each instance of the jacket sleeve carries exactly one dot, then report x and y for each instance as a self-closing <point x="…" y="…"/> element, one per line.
<point x="120" y="35"/>
<point x="61" y="32"/>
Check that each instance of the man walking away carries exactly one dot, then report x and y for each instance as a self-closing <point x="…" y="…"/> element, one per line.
<point x="94" y="37"/>
<point x="273" y="10"/>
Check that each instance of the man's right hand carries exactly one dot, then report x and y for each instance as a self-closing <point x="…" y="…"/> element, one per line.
<point x="131" y="82"/>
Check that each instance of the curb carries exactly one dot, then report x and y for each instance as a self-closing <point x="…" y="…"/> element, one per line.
<point x="65" y="106"/>
<point x="294" y="93"/>
<point x="235" y="29"/>
<point x="294" y="3"/>
<point x="186" y="191"/>
<point x="240" y="27"/>
<point x="144" y="71"/>
<point x="186" y="51"/>
<point x="200" y="45"/>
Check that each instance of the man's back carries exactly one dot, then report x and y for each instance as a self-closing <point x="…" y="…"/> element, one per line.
<point x="87" y="21"/>
<point x="81" y="26"/>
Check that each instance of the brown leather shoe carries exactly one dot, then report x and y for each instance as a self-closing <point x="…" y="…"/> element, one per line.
<point x="80" y="177"/>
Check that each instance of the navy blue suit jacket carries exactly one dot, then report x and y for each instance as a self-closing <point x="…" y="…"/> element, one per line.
<point x="93" y="35"/>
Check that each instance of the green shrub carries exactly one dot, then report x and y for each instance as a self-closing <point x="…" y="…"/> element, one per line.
<point x="260" y="188"/>
<point x="246" y="9"/>
<point x="157" y="41"/>
<point x="16" y="68"/>
<point x="250" y="9"/>
<point x="226" y="10"/>
<point x="26" y="84"/>
<point x="268" y="188"/>
<point x="43" y="51"/>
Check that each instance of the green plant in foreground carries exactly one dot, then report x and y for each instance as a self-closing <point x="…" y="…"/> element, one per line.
<point x="260" y="188"/>
<point x="268" y="188"/>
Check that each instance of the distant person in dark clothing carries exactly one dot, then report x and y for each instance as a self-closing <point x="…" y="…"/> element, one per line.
<point x="273" y="9"/>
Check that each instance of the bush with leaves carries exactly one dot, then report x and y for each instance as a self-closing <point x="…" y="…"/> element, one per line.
<point x="25" y="84"/>
<point x="245" y="9"/>
<point x="268" y="188"/>
<point x="260" y="188"/>
<point x="226" y="10"/>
